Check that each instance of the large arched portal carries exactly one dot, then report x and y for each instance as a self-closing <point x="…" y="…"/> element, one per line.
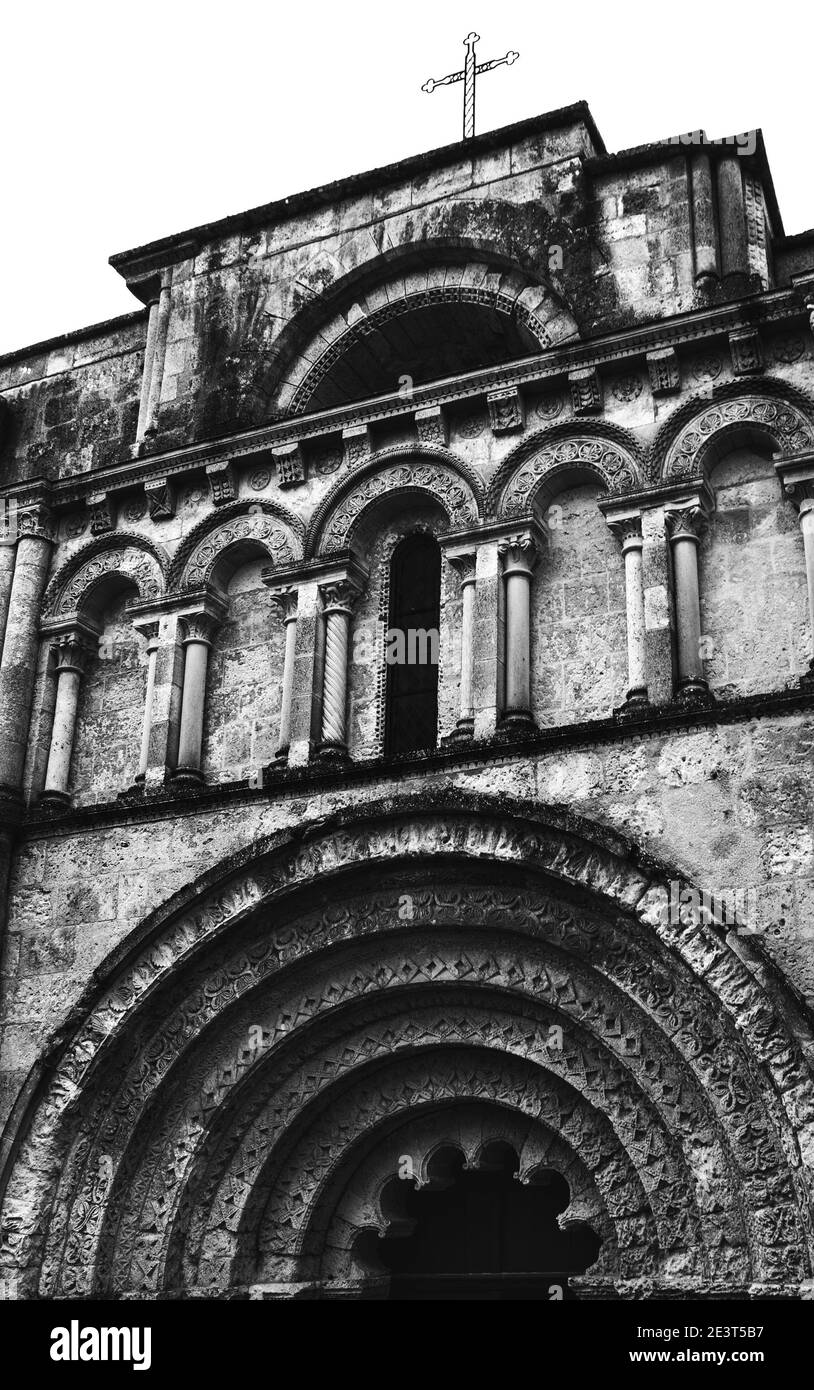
<point x="233" y="1112"/>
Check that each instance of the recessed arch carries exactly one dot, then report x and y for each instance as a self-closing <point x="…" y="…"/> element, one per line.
<point x="770" y="414"/>
<point x="101" y="569"/>
<point x="215" y="548"/>
<point x="563" y="456"/>
<point x="392" y="475"/>
<point x="426" y="312"/>
<point x="460" y="927"/>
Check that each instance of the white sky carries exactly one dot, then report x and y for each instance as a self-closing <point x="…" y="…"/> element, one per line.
<point x="121" y="123"/>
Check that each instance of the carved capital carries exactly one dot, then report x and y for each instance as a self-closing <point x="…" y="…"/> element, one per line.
<point x="36" y="521"/>
<point x="628" y="531"/>
<point x="519" y="553"/>
<point x="340" y="595"/>
<point x="71" y="652"/>
<point x="286" y="597"/>
<point x="199" y="627"/>
<point x="685" y="521"/>
<point x="463" y="563"/>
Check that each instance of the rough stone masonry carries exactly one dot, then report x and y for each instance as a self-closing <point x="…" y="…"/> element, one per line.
<point x="262" y="940"/>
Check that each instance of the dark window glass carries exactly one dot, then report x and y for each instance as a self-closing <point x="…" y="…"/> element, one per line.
<point x="412" y="646"/>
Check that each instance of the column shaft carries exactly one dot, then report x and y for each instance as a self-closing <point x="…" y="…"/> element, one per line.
<point x="288" y="686"/>
<point x="190" y="743"/>
<point x="683" y="528"/>
<point x="519" y="553"/>
<point x="18" y="669"/>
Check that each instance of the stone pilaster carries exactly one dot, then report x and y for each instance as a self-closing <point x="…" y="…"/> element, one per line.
<point x="488" y="640"/>
<point x="163" y="694"/>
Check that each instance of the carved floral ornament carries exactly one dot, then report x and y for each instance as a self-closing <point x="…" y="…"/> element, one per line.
<point x="441" y="483"/>
<point x="664" y="1033"/>
<point x="257" y="526"/>
<point x="788" y="425"/>
<point x="613" y="465"/>
<point x="132" y="562"/>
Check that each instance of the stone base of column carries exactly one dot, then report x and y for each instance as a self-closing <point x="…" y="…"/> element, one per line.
<point x="695" y="692"/>
<point x="191" y="775"/>
<point x="333" y="753"/>
<point x="637" y="703"/>
<point x="463" y="732"/>
<point x="56" y="799"/>
<point x="516" y="721"/>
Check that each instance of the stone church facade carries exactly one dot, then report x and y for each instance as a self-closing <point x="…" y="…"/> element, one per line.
<point x="304" y="925"/>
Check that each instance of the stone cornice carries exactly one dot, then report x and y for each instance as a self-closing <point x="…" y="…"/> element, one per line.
<point x="256" y="445"/>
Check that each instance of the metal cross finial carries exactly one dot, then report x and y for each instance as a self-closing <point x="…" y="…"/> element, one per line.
<point x="467" y="76"/>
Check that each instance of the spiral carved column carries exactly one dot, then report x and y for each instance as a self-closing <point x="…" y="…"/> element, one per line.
<point x="338" y="599"/>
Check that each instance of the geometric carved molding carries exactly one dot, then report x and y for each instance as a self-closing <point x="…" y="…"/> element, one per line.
<point x="638" y="1043"/>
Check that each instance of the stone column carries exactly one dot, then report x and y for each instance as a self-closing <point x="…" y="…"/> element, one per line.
<point x="519" y="555"/>
<point x="338" y="599"/>
<point x="19" y="662"/>
<point x="197" y="632"/>
<point x="463" y="562"/>
<point x="684" y="522"/>
<point x="286" y="600"/>
<point x="628" y="531"/>
<point x="70" y="654"/>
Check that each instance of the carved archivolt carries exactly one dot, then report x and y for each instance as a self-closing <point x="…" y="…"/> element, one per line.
<point x="200" y="1125"/>
<point x="270" y="527"/>
<point x="539" y="462"/>
<point x="695" y="447"/>
<point x="132" y="558"/>
<point x="507" y="291"/>
<point x="427" y="469"/>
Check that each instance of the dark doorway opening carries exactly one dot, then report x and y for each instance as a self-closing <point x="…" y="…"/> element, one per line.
<point x="412" y="646"/>
<point x="482" y="1235"/>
